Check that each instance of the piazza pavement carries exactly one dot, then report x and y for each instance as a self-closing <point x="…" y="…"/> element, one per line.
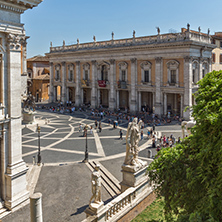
<point x="63" y="179"/>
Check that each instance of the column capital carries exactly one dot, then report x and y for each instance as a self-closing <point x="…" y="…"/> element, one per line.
<point x="133" y="60"/>
<point x="63" y="63"/>
<point x="158" y="59"/>
<point x="112" y="61"/>
<point x="77" y="63"/>
<point x="188" y="58"/>
<point x="93" y="62"/>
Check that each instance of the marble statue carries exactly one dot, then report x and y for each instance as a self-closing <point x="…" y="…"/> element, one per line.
<point x="188" y="125"/>
<point x="94" y="38"/>
<point x="29" y="103"/>
<point x="132" y="149"/>
<point x="158" y="30"/>
<point x="112" y="35"/>
<point x="188" y="27"/>
<point x="134" y="33"/>
<point x="96" y="186"/>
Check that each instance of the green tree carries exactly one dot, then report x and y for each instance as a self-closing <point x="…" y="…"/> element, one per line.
<point x="189" y="175"/>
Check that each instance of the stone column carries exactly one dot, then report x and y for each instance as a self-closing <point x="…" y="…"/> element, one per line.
<point x="117" y="99"/>
<point x="158" y="74"/>
<point x="94" y="78"/>
<point x="51" y="94"/>
<point x="112" y="101"/>
<point x="187" y="86"/>
<point x="98" y="97"/>
<point x="175" y="102"/>
<point x="133" y="94"/>
<point x="63" y="99"/>
<point x="181" y="104"/>
<point x="55" y="93"/>
<point x="200" y="70"/>
<point x="36" y="207"/>
<point x="15" y="176"/>
<point x="139" y="95"/>
<point x="78" y="83"/>
<point x="210" y="65"/>
<point x="165" y="103"/>
<point x="67" y="93"/>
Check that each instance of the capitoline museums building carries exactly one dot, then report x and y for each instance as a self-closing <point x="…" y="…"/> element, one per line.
<point x="158" y="73"/>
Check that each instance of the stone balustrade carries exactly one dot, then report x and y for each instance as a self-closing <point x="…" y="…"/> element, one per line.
<point x="171" y="37"/>
<point x="123" y="203"/>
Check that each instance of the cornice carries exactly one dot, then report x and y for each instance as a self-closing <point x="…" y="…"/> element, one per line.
<point x="18" y="6"/>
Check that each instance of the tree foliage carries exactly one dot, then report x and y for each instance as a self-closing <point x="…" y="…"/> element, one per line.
<point x="189" y="175"/>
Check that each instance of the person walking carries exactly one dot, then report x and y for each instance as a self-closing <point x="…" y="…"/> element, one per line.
<point x="100" y="126"/>
<point x="121" y="134"/>
<point x="141" y="134"/>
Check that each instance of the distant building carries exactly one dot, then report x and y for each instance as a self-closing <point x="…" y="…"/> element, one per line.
<point x="217" y="52"/>
<point x="38" y="77"/>
<point x="158" y="73"/>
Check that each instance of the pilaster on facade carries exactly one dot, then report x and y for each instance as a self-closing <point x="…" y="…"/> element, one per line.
<point x="112" y="99"/>
<point x="187" y="86"/>
<point x="158" y="73"/>
<point x="51" y="94"/>
<point x="93" y="94"/>
<point x="63" y="99"/>
<point x="133" y="93"/>
<point x="78" y="82"/>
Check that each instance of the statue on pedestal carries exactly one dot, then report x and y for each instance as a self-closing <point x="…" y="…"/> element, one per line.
<point x="29" y="103"/>
<point x="96" y="187"/>
<point x="132" y="148"/>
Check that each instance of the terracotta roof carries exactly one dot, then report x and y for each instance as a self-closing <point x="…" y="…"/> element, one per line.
<point x="38" y="58"/>
<point x="43" y="77"/>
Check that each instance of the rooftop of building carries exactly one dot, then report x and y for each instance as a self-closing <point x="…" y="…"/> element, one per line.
<point x="38" y="58"/>
<point x="185" y="35"/>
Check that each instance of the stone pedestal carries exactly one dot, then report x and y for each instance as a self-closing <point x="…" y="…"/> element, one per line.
<point x="133" y="175"/>
<point x="94" y="209"/>
<point x="28" y="117"/>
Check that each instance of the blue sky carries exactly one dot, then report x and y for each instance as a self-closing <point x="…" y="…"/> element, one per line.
<point x="58" y="20"/>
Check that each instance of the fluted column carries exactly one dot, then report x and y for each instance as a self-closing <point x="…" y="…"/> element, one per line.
<point x="94" y="78"/>
<point x="165" y="103"/>
<point x="187" y="86"/>
<point x="133" y="94"/>
<point x="139" y="95"/>
<point x="78" y="82"/>
<point x="15" y="176"/>
<point x="63" y="99"/>
<point x="181" y="104"/>
<point x="112" y="101"/>
<point x="51" y="94"/>
<point x="158" y="74"/>
<point x="117" y="99"/>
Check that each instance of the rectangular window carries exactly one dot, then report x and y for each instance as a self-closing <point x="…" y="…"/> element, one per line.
<point x="146" y="76"/>
<point x="123" y="75"/>
<point x="57" y="74"/>
<point x="221" y="44"/>
<point x="173" y="76"/>
<point x="220" y="58"/>
<point x="70" y="75"/>
<point x="213" y="57"/>
<point x="86" y="75"/>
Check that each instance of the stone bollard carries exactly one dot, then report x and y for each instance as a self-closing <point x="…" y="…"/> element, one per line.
<point x="36" y="207"/>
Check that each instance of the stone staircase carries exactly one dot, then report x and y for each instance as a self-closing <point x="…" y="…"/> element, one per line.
<point x="109" y="182"/>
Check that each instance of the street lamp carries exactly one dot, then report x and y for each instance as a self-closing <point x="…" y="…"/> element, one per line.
<point x="86" y="152"/>
<point x="39" y="154"/>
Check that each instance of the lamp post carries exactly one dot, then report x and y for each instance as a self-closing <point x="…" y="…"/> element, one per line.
<point x="39" y="154"/>
<point x="86" y="151"/>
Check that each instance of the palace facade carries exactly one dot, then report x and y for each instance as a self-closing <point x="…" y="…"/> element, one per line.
<point x="158" y="73"/>
<point x="12" y="64"/>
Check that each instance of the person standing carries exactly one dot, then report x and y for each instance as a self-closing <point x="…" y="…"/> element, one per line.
<point x="100" y="126"/>
<point x="141" y="134"/>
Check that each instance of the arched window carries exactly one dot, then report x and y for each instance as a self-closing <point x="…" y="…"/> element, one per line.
<point x="173" y="72"/>
<point x="104" y="73"/>
<point x="146" y="72"/>
<point x="123" y="71"/>
<point x="71" y="72"/>
<point x="86" y="71"/>
<point x="195" y="72"/>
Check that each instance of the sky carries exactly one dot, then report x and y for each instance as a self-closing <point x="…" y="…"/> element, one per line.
<point x="58" y="20"/>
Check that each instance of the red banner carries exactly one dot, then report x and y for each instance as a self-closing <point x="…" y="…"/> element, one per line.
<point x="102" y="83"/>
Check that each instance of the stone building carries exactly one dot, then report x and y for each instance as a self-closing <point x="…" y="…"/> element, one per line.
<point x="38" y="77"/>
<point x="217" y="52"/>
<point x="157" y="72"/>
<point x="12" y="64"/>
